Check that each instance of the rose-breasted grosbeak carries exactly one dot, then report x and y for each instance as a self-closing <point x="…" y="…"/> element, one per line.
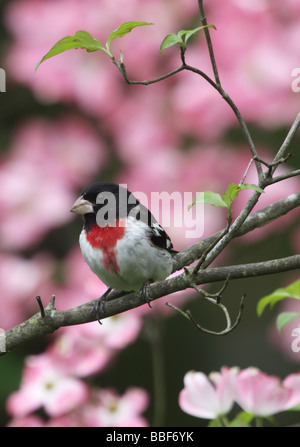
<point x="121" y="241"/>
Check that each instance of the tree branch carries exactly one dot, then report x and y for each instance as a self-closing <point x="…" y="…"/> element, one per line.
<point x="285" y="145"/>
<point x="122" y="69"/>
<point x="53" y="319"/>
<point x="255" y="220"/>
<point x="208" y="42"/>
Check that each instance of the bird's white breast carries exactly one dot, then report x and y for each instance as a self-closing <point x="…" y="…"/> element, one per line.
<point x="137" y="258"/>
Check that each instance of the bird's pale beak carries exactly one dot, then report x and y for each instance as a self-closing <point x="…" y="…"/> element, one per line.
<point x="82" y="206"/>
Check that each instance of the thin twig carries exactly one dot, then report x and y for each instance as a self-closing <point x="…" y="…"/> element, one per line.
<point x="222" y="92"/>
<point x="235" y="110"/>
<point x="209" y="248"/>
<point x="275" y="163"/>
<point x="247" y="170"/>
<point x="209" y="43"/>
<point x="214" y="298"/>
<point x="229" y="328"/>
<point x="42" y="310"/>
<point x="228" y="236"/>
<point x="122" y="69"/>
<point x="285" y="145"/>
<point x="281" y="177"/>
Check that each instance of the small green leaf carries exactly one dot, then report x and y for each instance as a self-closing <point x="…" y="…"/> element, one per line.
<point x="123" y="29"/>
<point x="81" y="39"/>
<point x="233" y="190"/>
<point x="230" y="194"/>
<point x="295" y="408"/>
<point x="169" y="41"/>
<point x="250" y="186"/>
<point x="209" y="197"/>
<point x="242" y="419"/>
<point x="292" y="291"/>
<point x="215" y="423"/>
<point x="284" y="318"/>
<point x="271" y="300"/>
<point x="192" y="32"/>
<point x="173" y="39"/>
<point x="222" y="200"/>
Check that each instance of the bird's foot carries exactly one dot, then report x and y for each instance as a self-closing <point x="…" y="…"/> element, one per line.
<point x="144" y="292"/>
<point x="99" y="306"/>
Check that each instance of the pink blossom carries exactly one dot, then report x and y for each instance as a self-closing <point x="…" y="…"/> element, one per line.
<point x="39" y="178"/>
<point x="260" y="394"/>
<point x="292" y="382"/>
<point x="109" y="409"/>
<point x="206" y="398"/>
<point x="21" y="280"/>
<point x="104" y="408"/>
<point x="58" y="146"/>
<point x="87" y="349"/>
<point x="31" y="420"/>
<point x="45" y="384"/>
<point x="257" y="74"/>
<point x="79" y="354"/>
<point x="91" y="81"/>
<point x="255" y="392"/>
<point x="33" y="204"/>
<point x="117" y="331"/>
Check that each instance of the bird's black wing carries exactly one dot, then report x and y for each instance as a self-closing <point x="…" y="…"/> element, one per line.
<point x="157" y="234"/>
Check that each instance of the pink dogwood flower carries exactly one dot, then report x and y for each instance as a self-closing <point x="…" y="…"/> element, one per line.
<point x="292" y="381"/>
<point x="207" y="397"/>
<point x="256" y="392"/>
<point x="259" y="393"/>
<point x="112" y="410"/>
<point x="46" y="385"/>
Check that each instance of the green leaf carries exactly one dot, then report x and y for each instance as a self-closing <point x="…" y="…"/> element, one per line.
<point x="230" y="194"/>
<point x="292" y="291"/>
<point x="295" y="408"/>
<point x="250" y="186"/>
<point x="215" y="423"/>
<point x="169" y="41"/>
<point x="223" y="200"/>
<point x="242" y="419"/>
<point x="209" y="197"/>
<point x="284" y="318"/>
<point x="81" y="39"/>
<point x="181" y="37"/>
<point x="233" y="190"/>
<point x="192" y="32"/>
<point x="123" y="29"/>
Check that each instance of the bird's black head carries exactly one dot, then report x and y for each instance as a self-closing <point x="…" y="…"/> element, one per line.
<point x="106" y="201"/>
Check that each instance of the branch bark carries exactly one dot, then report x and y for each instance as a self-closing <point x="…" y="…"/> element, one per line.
<point x="53" y="319"/>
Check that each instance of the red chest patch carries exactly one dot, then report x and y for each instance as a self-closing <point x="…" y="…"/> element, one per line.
<point x="105" y="239"/>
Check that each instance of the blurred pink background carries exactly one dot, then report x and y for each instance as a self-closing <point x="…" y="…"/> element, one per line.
<point x="80" y="122"/>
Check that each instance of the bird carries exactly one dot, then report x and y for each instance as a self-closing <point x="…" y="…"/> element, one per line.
<point x="121" y="241"/>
